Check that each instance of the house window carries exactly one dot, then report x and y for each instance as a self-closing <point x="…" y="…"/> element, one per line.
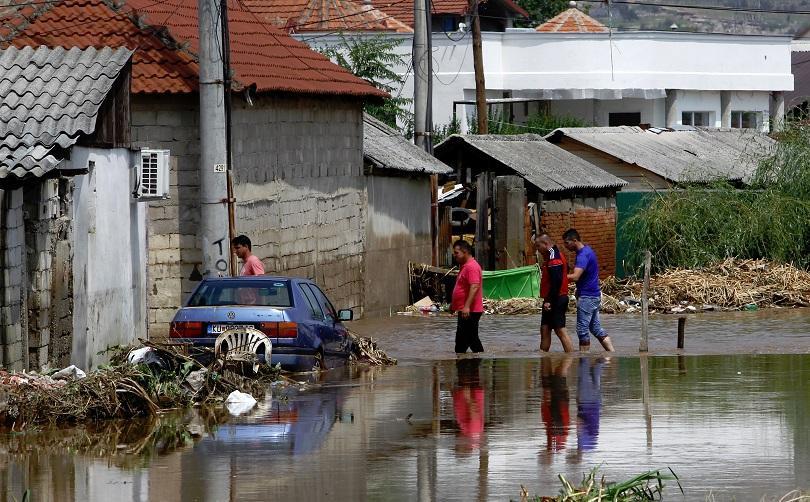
<point x="624" y="119"/>
<point x="697" y="119"/>
<point x="445" y="23"/>
<point x="745" y="120"/>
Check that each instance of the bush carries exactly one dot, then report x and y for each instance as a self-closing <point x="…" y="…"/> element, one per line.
<point x="695" y="225"/>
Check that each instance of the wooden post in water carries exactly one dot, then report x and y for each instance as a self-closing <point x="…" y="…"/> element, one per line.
<point x="645" y="303"/>
<point x="681" y="331"/>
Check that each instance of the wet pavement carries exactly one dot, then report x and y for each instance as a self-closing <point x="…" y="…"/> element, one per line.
<point x="436" y="428"/>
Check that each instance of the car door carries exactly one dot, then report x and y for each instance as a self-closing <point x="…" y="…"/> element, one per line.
<point x="338" y="336"/>
<point x="316" y="322"/>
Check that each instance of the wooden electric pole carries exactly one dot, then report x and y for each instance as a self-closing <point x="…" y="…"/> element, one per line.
<point x="478" y="63"/>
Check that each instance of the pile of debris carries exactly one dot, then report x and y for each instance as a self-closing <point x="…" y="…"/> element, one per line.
<point x="513" y="306"/>
<point x="365" y="351"/>
<point x="732" y="284"/>
<point x="138" y="382"/>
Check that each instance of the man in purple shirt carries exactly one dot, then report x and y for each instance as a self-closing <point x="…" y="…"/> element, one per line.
<point x="589" y="294"/>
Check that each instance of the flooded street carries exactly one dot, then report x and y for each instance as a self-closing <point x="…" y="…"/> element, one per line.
<point x="773" y="331"/>
<point x="736" y="426"/>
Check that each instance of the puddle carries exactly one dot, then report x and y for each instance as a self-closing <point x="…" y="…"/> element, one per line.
<point x="735" y="426"/>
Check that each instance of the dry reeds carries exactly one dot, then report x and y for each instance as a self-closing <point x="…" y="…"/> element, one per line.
<point x="731" y="284"/>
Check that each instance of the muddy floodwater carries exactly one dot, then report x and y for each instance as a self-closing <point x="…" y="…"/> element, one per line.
<point x="433" y="428"/>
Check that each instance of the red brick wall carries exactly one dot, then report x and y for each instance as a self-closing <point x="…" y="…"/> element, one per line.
<point x="597" y="227"/>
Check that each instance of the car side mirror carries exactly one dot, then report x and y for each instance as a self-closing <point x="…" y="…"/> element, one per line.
<point x="346" y="315"/>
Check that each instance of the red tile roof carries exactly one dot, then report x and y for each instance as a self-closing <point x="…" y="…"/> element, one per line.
<point x="325" y="15"/>
<point x="165" y="38"/>
<point x="572" y="20"/>
<point x="343" y="15"/>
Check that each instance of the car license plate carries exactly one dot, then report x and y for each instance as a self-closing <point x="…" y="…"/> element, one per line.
<point x="218" y="329"/>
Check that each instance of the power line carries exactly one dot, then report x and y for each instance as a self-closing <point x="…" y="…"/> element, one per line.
<point x="703" y="7"/>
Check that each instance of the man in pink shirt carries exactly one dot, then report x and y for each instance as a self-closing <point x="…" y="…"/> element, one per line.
<point x="250" y="264"/>
<point x="468" y="299"/>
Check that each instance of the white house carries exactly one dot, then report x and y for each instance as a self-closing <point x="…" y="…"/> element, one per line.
<point x="573" y="65"/>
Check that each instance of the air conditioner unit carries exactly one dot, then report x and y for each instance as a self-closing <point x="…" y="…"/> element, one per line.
<point x="152" y="175"/>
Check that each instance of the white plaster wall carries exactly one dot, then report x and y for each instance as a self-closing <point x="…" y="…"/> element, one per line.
<point x="700" y="101"/>
<point x="526" y="60"/>
<point x="109" y="265"/>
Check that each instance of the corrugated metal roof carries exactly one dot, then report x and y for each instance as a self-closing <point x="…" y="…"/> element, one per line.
<point x="166" y="37"/>
<point x="546" y="166"/>
<point x="48" y="99"/>
<point x="386" y="148"/>
<point x="687" y="155"/>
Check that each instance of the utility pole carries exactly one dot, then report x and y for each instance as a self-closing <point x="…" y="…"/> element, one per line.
<point x="422" y="55"/>
<point x="478" y="65"/>
<point x="216" y="247"/>
<point x="421" y="74"/>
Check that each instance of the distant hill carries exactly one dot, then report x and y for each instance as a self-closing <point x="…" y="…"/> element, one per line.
<point x="647" y="17"/>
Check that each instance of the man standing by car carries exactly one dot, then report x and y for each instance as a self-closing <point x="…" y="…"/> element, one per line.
<point x="468" y="299"/>
<point x="589" y="294"/>
<point x="554" y="290"/>
<point x="242" y="248"/>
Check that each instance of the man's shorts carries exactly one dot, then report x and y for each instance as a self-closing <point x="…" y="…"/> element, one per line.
<point x="555" y="318"/>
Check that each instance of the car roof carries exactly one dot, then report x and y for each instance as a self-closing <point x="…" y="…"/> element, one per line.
<point x="257" y="278"/>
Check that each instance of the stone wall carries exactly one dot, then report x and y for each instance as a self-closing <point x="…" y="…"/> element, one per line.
<point x="594" y="218"/>
<point x="13" y="315"/>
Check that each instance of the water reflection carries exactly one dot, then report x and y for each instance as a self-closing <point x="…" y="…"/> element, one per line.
<point x="555" y="407"/>
<point x="456" y="430"/>
<point x="589" y="402"/>
<point x="468" y="404"/>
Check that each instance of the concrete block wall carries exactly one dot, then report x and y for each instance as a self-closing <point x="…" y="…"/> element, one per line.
<point x="594" y="218"/>
<point x="298" y="183"/>
<point x="47" y="241"/>
<point x="300" y="190"/>
<point x="170" y="122"/>
<point x="13" y="314"/>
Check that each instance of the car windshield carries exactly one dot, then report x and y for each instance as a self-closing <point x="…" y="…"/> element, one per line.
<point x="260" y="294"/>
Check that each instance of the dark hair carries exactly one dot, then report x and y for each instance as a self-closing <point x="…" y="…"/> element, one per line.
<point x="241" y="240"/>
<point x="571" y="235"/>
<point x="463" y="245"/>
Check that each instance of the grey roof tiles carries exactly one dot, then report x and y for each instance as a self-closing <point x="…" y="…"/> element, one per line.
<point x="683" y="155"/>
<point x="49" y="97"/>
<point x="546" y="166"/>
<point x="386" y="148"/>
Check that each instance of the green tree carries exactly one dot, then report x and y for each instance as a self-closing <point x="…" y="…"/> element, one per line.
<point x="541" y="11"/>
<point x="374" y="59"/>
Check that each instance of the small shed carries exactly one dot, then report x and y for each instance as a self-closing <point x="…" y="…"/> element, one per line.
<point x="398" y="229"/>
<point x="570" y="191"/>
<point x="71" y="241"/>
<point x="655" y="158"/>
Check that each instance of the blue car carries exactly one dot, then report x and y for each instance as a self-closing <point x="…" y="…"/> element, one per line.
<point x="305" y="329"/>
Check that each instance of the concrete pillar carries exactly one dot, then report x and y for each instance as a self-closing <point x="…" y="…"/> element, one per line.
<point x="777" y="110"/>
<point x="725" y="109"/>
<point x="672" y="109"/>
<point x="510" y="204"/>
